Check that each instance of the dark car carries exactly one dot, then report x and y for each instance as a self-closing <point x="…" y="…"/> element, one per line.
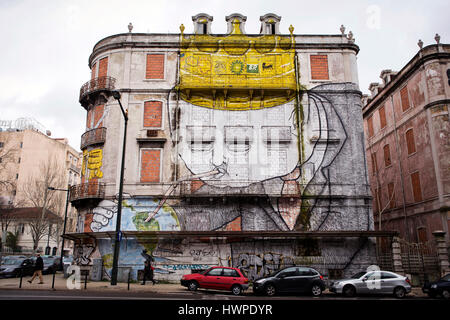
<point x="218" y="278"/>
<point x="13" y="266"/>
<point x="440" y="287"/>
<point x="291" y="279"/>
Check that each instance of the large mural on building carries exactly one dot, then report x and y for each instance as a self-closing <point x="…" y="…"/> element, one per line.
<point x="246" y="130"/>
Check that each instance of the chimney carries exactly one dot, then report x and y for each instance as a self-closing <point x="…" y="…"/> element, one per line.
<point x="374" y="87"/>
<point x="387" y="76"/>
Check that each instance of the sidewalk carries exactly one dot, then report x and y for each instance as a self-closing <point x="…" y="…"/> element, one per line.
<point x="104" y="286"/>
<point x="61" y="284"/>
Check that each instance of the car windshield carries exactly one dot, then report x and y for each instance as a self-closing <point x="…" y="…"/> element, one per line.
<point x="446" y="278"/>
<point x="10" y="262"/>
<point x="358" y="275"/>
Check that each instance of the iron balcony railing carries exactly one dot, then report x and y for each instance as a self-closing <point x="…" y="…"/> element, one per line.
<point x="96" y="85"/>
<point x="92" y="137"/>
<point x="89" y="190"/>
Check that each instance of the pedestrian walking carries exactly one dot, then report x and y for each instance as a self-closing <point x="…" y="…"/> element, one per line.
<point x="38" y="267"/>
<point x="148" y="272"/>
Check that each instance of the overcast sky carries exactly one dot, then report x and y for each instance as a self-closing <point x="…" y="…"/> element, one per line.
<point x="46" y="44"/>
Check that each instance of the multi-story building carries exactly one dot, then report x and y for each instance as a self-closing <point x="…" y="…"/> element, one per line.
<point x="241" y="149"/>
<point x="406" y="121"/>
<point x="32" y="161"/>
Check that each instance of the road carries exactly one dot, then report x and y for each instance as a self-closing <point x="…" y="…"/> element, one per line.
<point x="23" y="294"/>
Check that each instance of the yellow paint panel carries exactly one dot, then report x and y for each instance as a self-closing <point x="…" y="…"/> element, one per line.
<point x="237" y="72"/>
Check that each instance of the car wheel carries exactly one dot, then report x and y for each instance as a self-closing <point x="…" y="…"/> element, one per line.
<point x="446" y="294"/>
<point x="316" y="290"/>
<point x="399" y="292"/>
<point x="193" y="286"/>
<point x="349" y="291"/>
<point x="270" y="290"/>
<point x="236" y="289"/>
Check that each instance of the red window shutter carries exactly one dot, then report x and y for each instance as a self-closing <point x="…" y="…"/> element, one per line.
<point x="377" y="200"/>
<point x="103" y="67"/>
<point x="417" y="191"/>
<point x="153" y="114"/>
<point x="93" y="71"/>
<point x="391" y="194"/>
<point x="98" y="113"/>
<point x="374" y="163"/>
<point x="150" y="165"/>
<point x="382" y="113"/>
<point x="370" y="126"/>
<point x="155" y="66"/>
<point x="387" y="156"/>
<point x="422" y="234"/>
<point x="410" y="143"/>
<point x="319" y="67"/>
<point x="404" y="98"/>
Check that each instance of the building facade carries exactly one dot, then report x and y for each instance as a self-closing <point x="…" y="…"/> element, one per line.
<point x="30" y="162"/>
<point x="242" y="150"/>
<point x="407" y="129"/>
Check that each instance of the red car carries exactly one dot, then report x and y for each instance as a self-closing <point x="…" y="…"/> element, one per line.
<point x="218" y="278"/>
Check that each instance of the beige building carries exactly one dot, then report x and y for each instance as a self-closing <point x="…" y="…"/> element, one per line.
<point x="30" y="162"/>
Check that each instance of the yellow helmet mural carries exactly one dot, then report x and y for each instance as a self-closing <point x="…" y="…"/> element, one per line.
<point x="237" y="72"/>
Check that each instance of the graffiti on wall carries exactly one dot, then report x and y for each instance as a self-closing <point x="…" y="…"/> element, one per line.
<point x="262" y="264"/>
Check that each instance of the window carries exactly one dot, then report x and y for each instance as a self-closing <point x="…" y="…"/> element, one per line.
<point x="404" y="98"/>
<point x="155" y="66"/>
<point x="21" y="145"/>
<point x="422" y="234"/>
<point x="387" y="156"/>
<point x="150" y="165"/>
<point x="2" y="144"/>
<point x="319" y="67"/>
<point x="103" y="67"/>
<point x="370" y="126"/>
<point x="417" y="191"/>
<point x="377" y="200"/>
<point x="410" y="143"/>
<point x="230" y="273"/>
<point x="215" y="272"/>
<point x="382" y="113"/>
<point x="391" y="194"/>
<point x="374" y="163"/>
<point x="387" y="275"/>
<point x="153" y="114"/>
<point x="289" y="272"/>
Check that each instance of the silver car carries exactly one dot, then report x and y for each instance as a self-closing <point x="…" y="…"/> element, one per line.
<point x="372" y="282"/>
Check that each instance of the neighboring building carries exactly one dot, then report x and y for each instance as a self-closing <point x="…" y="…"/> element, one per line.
<point x="407" y="130"/>
<point x="26" y="225"/>
<point x="242" y="150"/>
<point x="27" y="156"/>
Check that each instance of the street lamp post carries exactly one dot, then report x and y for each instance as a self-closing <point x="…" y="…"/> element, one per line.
<point x="65" y="220"/>
<point x="116" y="95"/>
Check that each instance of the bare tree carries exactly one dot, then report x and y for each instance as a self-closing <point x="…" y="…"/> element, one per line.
<point x="36" y="193"/>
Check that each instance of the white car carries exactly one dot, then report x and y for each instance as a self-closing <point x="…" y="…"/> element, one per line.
<point x="372" y="282"/>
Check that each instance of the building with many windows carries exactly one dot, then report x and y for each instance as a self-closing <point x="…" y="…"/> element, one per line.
<point x="30" y="162"/>
<point x="242" y="150"/>
<point x="407" y="130"/>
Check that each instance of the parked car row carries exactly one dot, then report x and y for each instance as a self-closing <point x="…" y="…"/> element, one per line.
<point x="300" y="280"/>
<point x="14" y="266"/>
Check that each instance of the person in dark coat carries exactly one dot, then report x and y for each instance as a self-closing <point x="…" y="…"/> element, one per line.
<point x="38" y="267"/>
<point x="148" y="268"/>
<point x="148" y="272"/>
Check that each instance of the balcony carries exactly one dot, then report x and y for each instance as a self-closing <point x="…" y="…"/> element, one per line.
<point x="87" y="192"/>
<point x="193" y="188"/>
<point x="93" y="137"/>
<point x="91" y="89"/>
